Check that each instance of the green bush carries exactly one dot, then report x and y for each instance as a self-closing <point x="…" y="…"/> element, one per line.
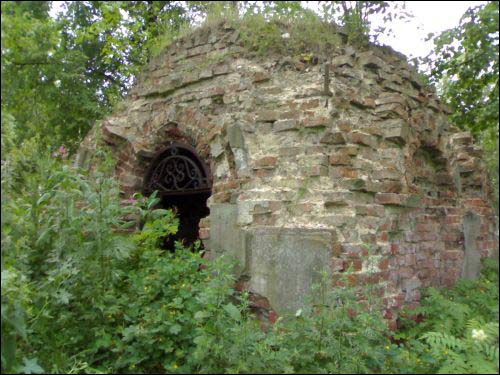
<point x="78" y="294"/>
<point x="457" y="328"/>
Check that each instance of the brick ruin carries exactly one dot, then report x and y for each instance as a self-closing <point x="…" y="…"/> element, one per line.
<point x="296" y="166"/>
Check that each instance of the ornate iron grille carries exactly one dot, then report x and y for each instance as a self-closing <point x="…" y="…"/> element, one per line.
<point x="177" y="170"/>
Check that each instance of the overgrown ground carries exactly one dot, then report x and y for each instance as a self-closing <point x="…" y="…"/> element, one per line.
<point x="80" y="294"/>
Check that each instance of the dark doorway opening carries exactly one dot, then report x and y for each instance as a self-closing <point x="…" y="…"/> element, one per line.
<point x="183" y="182"/>
<point x="189" y="208"/>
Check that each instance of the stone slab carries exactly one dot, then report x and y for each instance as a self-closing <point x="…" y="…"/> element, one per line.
<point x="226" y="237"/>
<point x="472" y="262"/>
<point x="284" y="263"/>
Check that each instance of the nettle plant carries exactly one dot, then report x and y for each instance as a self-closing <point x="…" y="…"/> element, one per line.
<point x="83" y="295"/>
<point x="59" y="236"/>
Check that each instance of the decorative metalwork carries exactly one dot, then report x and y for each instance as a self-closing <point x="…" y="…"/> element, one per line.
<point x="177" y="170"/>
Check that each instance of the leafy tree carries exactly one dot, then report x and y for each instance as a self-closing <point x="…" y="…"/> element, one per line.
<point x="44" y="87"/>
<point x="467" y="61"/>
<point x="356" y="17"/>
<point x="60" y="75"/>
<point x="466" y="67"/>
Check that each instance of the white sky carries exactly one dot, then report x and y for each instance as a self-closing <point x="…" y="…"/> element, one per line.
<point x="429" y="16"/>
<point x="408" y="38"/>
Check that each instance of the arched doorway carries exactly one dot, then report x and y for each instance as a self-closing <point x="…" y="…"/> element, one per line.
<point x="184" y="184"/>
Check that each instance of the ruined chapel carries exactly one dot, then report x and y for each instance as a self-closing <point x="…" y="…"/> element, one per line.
<point x="300" y="164"/>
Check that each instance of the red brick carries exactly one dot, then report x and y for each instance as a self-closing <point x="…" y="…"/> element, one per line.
<point x="475" y="202"/>
<point x="383" y="237"/>
<point x="347" y="172"/>
<point x="339" y="159"/>
<point x="388" y="314"/>
<point x="392" y="325"/>
<point x="337" y="249"/>
<point x="405" y="272"/>
<point x="273" y="316"/>
<point x="452" y="254"/>
<point x="310" y="104"/>
<point x="224" y="197"/>
<point x="421" y="227"/>
<point x="266" y="162"/>
<point x="452" y="237"/>
<point x="384" y="264"/>
<point x="394" y="248"/>
<point x="355" y="264"/>
<point x="264" y="173"/>
<point x="388" y="198"/>
<point x="316" y="121"/>
<point x="337" y="264"/>
<point x="260" y="77"/>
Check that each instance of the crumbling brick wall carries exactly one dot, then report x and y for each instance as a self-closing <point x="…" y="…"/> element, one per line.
<point x="304" y="180"/>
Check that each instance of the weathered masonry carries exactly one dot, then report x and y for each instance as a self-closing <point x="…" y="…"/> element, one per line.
<point x="294" y="167"/>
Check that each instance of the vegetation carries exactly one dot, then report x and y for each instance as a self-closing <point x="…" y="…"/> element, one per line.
<point x="456" y="330"/>
<point x="82" y="293"/>
<point x="465" y="65"/>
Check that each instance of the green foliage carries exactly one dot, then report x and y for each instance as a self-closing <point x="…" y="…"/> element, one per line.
<point x="457" y="329"/>
<point x="80" y="295"/>
<point x="65" y="73"/>
<point x="467" y="57"/>
<point x="475" y="353"/>
<point x="301" y="33"/>
<point x="465" y="64"/>
<point x="335" y="332"/>
<point x="355" y="17"/>
<point x="44" y="88"/>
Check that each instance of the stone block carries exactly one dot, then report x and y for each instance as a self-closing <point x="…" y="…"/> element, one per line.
<point x="384" y="186"/>
<point x="362" y="103"/>
<point x="260" y="77"/>
<point x="333" y="138"/>
<point x="216" y="149"/>
<point x="354" y="184"/>
<point x="313" y="122"/>
<point x="404" y="200"/>
<point x="342" y="60"/>
<point x="388" y="98"/>
<point x="267" y="115"/>
<point x="221" y="69"/>
<point x="206" y="73"/>
<point x="391" y="110"/>
<point x="235" y="136"/>
<point x="472" y="262"/>
<point x="395" y="130"/>
<point x="363" y="139"/>
<point x="337" y="199"/>
<point x="284" y="125"/>
<point x="226" y="236"/>
<point x="368" y="59"/>
<point x="284" y="263"/>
